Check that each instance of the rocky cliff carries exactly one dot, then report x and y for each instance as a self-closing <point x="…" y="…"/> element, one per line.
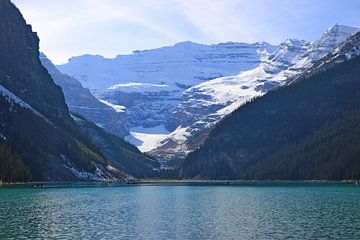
<point x="38" y="135"/>
<point x="81" y="101"/>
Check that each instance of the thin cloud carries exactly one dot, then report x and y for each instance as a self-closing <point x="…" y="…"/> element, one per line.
<point x="110" y="27"/>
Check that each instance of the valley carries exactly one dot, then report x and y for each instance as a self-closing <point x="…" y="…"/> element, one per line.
<point x="185" y="111"/>
<point x="171" y="104"/>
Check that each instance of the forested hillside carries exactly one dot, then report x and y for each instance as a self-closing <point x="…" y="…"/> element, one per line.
<point x="306" y="130"/>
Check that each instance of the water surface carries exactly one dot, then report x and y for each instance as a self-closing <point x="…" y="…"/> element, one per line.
<point x="181" y="211"/>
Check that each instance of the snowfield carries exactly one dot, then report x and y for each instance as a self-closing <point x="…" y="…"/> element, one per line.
<point x="180" y="66"/>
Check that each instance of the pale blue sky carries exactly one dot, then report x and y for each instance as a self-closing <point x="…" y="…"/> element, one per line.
<point x="110" y="27"/>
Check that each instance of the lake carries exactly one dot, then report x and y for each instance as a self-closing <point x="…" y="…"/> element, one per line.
<point x="181" y="211"/>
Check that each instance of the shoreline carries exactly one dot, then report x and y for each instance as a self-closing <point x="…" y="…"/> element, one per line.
<point x="345" y="182"/>
<point x="183" y="181"/>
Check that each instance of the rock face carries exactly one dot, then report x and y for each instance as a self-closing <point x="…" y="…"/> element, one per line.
<point x="19" y="56"/>
<point x="35" y="123"/>
<point x="81" y="101"/>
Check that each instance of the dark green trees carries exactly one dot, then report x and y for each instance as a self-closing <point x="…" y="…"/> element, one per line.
<point x="12" y="168"/>
<point x="307" y="130"/>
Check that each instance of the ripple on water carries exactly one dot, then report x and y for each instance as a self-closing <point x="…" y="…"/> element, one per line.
<point x="181" y="212"/>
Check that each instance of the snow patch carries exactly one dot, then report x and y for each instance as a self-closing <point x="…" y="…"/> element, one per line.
<point x="147" y="139"/>
<point x="179" y="134"/>
<point x="117" y="108"/>
<point x="75" y="118"/>
<point x="140" y="87"/>
<point x="3" y="137"/>
<point x="100" y="174"/>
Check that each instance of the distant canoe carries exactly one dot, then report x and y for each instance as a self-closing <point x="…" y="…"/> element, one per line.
<point x="39" y="185"/>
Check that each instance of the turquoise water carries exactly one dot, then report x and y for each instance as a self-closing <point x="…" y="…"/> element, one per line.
<point x="181" y="211"/>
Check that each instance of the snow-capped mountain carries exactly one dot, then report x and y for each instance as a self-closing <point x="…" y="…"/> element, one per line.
<point x="207" y="103"/>
<point x="150" y="84"/>
<point x="173" y="95"/>
<point x="174" y="67"/>
<point x="347" y="50"/>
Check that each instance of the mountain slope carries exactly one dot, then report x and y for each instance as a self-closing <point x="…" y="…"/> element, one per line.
<point x="331" y="152"/>
<point x="120" y="153"/>
<point x="21" y="71"/>
<point x="269" y="130"/>
<point x="81" y="101"/>
<point x="50" y="152"/>
<point x="39" y="138"/>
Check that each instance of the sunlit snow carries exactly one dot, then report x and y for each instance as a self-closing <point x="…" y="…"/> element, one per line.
<point x="117" y="108"/>
<point x="147" y="139"/>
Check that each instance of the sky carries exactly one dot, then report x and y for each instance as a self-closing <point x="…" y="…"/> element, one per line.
<point x="110" y="27"/>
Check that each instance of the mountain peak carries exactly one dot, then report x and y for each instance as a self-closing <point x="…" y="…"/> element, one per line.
<point x="287" y="54"/>
<point x="342" y="28"/>
<point x="262" y="44"/>
<point x="42" y="55"/>
<point x="331" y="39"/>
<point x="186" y="44"/>
<point x="336" y="34"/>
<point x="294" y="42"/>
